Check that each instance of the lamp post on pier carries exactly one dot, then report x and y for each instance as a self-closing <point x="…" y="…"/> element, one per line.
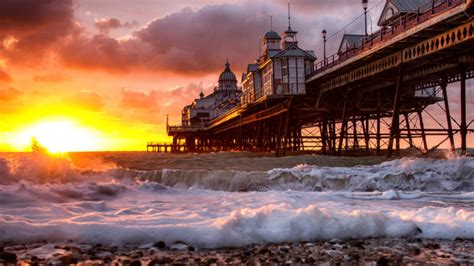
<point x="365" y="5"/>
<point x="324" y="39"/>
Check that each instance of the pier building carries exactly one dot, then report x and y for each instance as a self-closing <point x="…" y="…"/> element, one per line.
<point x="374" y="95"/>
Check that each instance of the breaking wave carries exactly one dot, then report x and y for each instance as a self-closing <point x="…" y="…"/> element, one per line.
<point x="48" y="198"/>
<point x="405" y="174"/>
<point x="408" y="174"/>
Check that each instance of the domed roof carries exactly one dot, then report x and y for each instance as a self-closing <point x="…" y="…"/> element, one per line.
<point x="227" y="74"/>
<point x="272" y="35"/>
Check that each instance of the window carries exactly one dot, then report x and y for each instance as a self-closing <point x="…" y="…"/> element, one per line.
<point x="389" y="13"/>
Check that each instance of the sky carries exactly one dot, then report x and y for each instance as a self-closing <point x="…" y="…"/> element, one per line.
<point x="105" y="74"/>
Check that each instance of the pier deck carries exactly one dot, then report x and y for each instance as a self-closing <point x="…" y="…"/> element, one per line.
<point x="372" y="98"/>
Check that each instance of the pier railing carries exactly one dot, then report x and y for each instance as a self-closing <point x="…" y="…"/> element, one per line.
<point x="404" y="23"/>
<point x="176" y="129"/>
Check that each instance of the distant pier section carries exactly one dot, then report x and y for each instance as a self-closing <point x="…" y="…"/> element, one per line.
<point x="376" y="95"/>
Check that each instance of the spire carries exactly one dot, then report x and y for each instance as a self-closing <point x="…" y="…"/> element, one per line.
<point x="271" y="22"/>
<point x="227" y="65"/>
<point x="201" y="95"/>
<point x="289" y="36"/>
<point x="289" y="30"/>
<point x="289" y="17"/>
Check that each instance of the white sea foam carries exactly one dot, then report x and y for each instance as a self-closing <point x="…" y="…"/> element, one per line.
<point x="402" y="198"/>
<point x="456" y="174"/>
<point x="117" y="213"/>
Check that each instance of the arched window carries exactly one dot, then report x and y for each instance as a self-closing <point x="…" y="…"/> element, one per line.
<point x="389" y="13"/>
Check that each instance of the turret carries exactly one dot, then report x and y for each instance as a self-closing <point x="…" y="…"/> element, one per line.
<point x="227" y="79"/>
<point x="289" y="36"/>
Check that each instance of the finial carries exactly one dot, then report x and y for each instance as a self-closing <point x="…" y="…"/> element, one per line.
<point x="271" y="22"/>
<point x="227" y="63"/>
<point x="259" y="46"/>
<point x="289" y="17"/>
<point x="201" y="95"/>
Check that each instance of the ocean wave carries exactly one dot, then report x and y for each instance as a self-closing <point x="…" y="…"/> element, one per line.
<point x="455" y="174"/>
<point x="271" y="223"/>
<point x="408" y="174"/>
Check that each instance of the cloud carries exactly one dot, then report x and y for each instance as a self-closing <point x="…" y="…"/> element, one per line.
<point x="50" y="78"/>
<point x="5" y="77"/>
<point x="194" y="42"/>
<point x="140" y="99"/>
<point x="35" y="26"/>
<point x="152" y="106"/>
<point x="174" y="99"/>
<point x="90" y="100"/>
<point x="201" y="40"/>
<point x="101" y="52"/>
<point x="9" y="94"/>
<point x="186" y="42"/>
<point x="106" y="24"/>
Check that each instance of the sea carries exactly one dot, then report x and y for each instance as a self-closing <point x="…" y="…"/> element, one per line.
<point x="231" y="199"/>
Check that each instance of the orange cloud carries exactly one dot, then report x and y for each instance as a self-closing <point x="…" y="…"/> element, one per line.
<point x="9" y="94"/>
<point x="91" y="100"/>
<point x="140" y="99"/>
<point x="5" y="77"/>
<point x="50" y="78"/>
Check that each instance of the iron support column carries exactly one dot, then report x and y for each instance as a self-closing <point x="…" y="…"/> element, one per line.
<point x="343" y="127"/>
<point x="423" y="134"/>
<point x="448" y="115"/>
<point x="463" y="113"/>
<point x="394" y="128"/>
<point x="323" y="135"/>
<point x="407" y="122"/>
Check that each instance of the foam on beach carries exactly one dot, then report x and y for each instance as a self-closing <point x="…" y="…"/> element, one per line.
<point x="420" y="198"/>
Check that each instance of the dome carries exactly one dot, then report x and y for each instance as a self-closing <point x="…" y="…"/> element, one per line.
<point x="272" y="35"/>
<point x="227" y="74"/>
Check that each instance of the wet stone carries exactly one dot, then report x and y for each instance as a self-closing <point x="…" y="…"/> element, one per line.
<point x="68" y="259"/>
<point x="432" y="246"/>
<point x="416" y="251"/>
<point x="211" y="260"/>
<point x="160" y="245"/>
<point x="6" y="257"/>
<point x="357" y="244"/>
<point x="383" y="261"/>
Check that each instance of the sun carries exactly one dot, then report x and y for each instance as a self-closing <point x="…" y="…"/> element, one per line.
<point x="61" y="136"/>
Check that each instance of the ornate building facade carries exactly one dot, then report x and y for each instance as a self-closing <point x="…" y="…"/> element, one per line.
<point x="225" y="97"/>
<point x="281" y="70"/>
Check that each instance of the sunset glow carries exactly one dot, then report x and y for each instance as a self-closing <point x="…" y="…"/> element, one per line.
<point x="113" y="77"/>
<point x="60" y="136"/>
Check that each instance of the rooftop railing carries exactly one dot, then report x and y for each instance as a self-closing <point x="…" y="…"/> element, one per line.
<point x="400" y="25"/>
<point x="182" y="128"/>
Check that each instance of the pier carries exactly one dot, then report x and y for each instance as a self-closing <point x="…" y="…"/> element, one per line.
<point x="372" y="96"/>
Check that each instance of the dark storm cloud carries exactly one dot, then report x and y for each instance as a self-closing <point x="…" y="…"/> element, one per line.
<point x="31" y="15"/>
<point x="36" y="25"/>
<point x="200" y="41"/>
<point x="187" y="42"/>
